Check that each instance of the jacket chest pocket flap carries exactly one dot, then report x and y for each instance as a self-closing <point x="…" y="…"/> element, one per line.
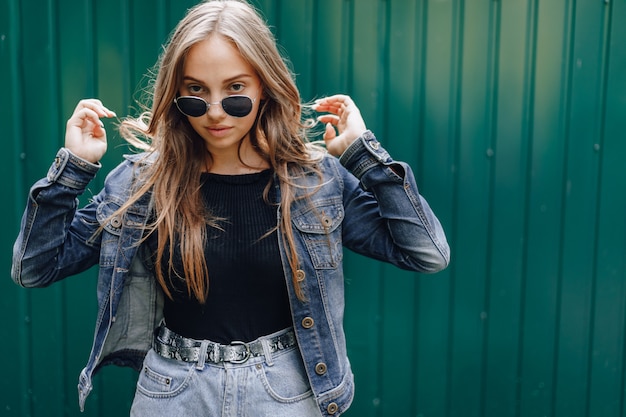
<point x="113" y="222"/>
<point x="319" y="225"/>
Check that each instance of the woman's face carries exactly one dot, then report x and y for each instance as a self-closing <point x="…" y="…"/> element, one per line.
<point x="214" y="69"/>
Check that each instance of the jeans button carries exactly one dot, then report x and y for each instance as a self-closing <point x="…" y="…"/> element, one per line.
<point x="332" y="408"/>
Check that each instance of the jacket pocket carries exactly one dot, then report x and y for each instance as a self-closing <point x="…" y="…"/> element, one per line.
<point x="319" y="224"/>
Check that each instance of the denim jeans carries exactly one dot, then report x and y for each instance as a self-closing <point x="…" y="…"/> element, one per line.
<point x="273" y="386"/>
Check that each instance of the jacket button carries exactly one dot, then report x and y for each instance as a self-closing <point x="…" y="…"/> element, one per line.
<point x="332" y="408"/>
<point x="300" y="275"/>
<point x="320" y="368"/>
<point x="327" y="221"/>
<point x="307" y="322"/>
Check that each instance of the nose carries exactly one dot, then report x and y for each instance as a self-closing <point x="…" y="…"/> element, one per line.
<point x="215" y="109"/>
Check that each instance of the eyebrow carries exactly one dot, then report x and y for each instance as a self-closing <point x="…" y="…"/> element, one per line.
<point x="226" y="81"/>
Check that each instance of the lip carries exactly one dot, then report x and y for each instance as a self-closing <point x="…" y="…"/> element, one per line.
<point x="219" y="130"/>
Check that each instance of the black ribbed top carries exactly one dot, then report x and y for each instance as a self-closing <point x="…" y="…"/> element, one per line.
<point x="247" y="295"/>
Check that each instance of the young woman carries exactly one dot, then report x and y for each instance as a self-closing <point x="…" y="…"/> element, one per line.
<point x="220" y="247"/>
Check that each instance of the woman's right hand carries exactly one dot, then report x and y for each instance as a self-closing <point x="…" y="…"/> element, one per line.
<point x="85" y="136"/>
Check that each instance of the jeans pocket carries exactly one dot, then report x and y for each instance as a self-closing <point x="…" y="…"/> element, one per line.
<point x="285" y="380"/>
<point x="164" y="378"/>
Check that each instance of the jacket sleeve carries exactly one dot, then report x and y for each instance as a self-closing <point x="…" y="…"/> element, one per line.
<point x="54" y="240"/>
<point x="386" y="217"/>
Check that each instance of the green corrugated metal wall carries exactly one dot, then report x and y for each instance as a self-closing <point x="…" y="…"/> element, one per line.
<point x="512" y="113"/>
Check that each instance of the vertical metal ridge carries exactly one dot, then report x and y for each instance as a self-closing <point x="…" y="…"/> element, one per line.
<point x="129" y="48"/>
<point x="491" y="115"/>
<point x="456" y="89"/>
<point x="55" y="77"/>
<point x="530" y="69"/>
<point x="17" y="116"/>
<point x="315" y="24"/>
<point x="604" y="76"/>
<point x="24" y="330"/>
<point x="568" y="61"/>
<point x="622" y="402"/>
<point x="276" y="16"/>
<point x="162" y="25"/>
<point x="419" y="98"/>
<point x="419" y="57"/>
<point x="92" y="39"/>
<point x="383" y="83"/>
<point x="348" y="43"/>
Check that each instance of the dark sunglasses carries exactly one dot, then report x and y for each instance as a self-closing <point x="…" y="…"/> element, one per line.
<point x="192" y="106"/>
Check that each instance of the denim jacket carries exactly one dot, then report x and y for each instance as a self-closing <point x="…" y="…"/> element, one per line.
<point x="366" y="202"/>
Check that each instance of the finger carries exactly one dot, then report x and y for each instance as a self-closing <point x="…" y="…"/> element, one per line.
<point x="330" y="109"/>
<point x="95" y="105"/>
<point x="336" y="98"/>
<point x="329" y="102"/>
<point x="83" y="116"/>
<point x="325" y="100"/>
<point x="329" y="132"/>
<point x="98" y="132"/>
<point x="329" y="118"/>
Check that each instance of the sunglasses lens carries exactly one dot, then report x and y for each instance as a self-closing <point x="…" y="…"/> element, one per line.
<point x="191" y="106"/>
<point x="237" y="106"/>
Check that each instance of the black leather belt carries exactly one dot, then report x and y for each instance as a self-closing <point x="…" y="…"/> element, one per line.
<point x="174" y="346"/>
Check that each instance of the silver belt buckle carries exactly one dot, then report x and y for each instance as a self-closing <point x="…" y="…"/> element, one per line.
<point x="247" y="352"/>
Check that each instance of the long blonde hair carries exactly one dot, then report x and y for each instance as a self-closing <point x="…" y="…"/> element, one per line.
<point x="279" y="136"/>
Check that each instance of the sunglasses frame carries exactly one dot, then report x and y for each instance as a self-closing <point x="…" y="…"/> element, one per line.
<point x="221" y="103"/>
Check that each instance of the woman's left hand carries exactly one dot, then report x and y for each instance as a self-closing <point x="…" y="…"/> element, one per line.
<point x="345" y="117"/>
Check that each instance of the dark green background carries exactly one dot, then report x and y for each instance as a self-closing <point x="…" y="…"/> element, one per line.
<point x="511" y="112"/>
